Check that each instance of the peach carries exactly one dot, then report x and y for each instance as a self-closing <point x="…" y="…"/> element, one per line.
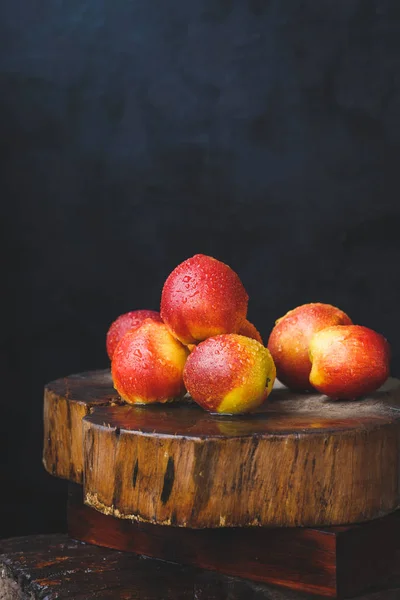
<point x="201" y="298"/>
<point x="229" y="374"/>
<point x="290" y="340"/>
<point x="348" y="361"/>
<point x="125" y="322"/>
<point x="249" y="330"/>
<point x="148" y="364"/>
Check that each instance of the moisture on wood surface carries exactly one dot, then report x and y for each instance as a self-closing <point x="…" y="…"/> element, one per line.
<point x="54" y="567"/>
<point x="300" y="460"/>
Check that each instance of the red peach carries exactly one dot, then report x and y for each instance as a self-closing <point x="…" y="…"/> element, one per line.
<point x="201" y="298"/>
<point x="348" y="361"/>
<point x="229" y="374"/>
<point x="148" y="364"/>
<point x="249" y="330"/>
<point x="289" y="341"/>
<point x="125" y="322"/>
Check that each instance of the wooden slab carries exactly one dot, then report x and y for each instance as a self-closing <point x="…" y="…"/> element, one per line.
<point x="301" y="460"/>
<point x="66" y="402"/>
<point x="54" y="567"/>
<point x="336" y="562"/>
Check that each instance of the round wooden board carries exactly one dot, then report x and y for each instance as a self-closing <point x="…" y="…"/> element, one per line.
<point x="300" y="460"/>
<point x="66" y="402"/>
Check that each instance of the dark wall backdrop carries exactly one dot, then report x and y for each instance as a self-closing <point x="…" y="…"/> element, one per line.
<point x="136" y="133"/>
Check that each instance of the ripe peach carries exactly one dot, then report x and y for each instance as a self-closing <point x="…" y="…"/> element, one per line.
<point x="249" y="330"/>
<point x="290" y="340"/>
<point x="125" y="322"/>
<point x="148" y="364"/>
<point x="348" y="361"/>
<point x="229" y="374"/>
<point x="201" y="298"/>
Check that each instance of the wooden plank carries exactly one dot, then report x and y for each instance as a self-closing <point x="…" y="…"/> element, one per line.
<point x="333" y="562"/>
<point x="301" y="559"/>
<point x="55" y="567"/>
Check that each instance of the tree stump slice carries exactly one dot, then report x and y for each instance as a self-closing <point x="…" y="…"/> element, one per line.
<point x="66" y="402"/>
<point x="300" y="460"/>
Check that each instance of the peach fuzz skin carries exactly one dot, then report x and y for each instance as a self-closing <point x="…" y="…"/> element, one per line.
<point x="290" y="339"/>
<point x="201" y="298"/>
<point x="148" y="364"/>
<point x="348" y="361"/>
<point x="125" y="322"/>
<point x="229" y="374"/>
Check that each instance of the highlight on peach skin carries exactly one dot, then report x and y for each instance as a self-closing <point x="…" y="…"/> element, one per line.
<point x="148" y="365"/>
<point x="125" y="322"/>
<point x="289" y="342"/>
<point x="229" y="374"/>
<point x="201" y="298"/>
<point x="349" y="361"/>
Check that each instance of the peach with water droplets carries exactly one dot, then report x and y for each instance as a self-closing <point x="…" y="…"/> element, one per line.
<point x="148" y="364"/>
<point x="289" y="342"/>
<point x="229" y="374"/>
<point x="125" y="322"/>
<point x="201" y="298"/>
<point x="348" y="361"/>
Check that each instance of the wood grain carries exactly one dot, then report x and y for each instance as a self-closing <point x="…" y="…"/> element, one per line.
<point x="301" y="460"/>
<point x="54" y="567"/>
<point x="336" y="562"/>
<point x="66" y="402"/>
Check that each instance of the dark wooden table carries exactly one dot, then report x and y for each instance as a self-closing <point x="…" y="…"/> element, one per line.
<point x="54" y="566"/>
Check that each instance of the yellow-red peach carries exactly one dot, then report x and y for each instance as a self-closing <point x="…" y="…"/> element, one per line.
<point x="249" y="330"/>
<point x="147" y="365"/>
<point x="229" y="374"/>
<point x="289" y="341"/>
<point x="348" y="361"/>
<point x="201" y="298"/>
<point x="125" y="322"/>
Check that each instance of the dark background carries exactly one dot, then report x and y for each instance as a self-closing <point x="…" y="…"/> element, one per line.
<point x="136" y="133"/>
